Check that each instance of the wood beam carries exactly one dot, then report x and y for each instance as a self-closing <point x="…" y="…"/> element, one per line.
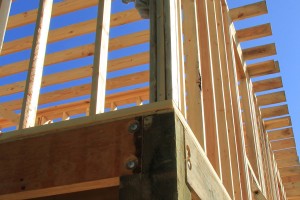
<point x="248" y="11"/>
<point x="79" y="73"/>
<point x="283" y="144"/>
<point x="275" y="111"/>
<point x="263" y="68"/>
<point x="78" y="52"/>
<point x="254" y="32"/>
<point x="286" y="153"/>
<point x="9" y="115"/>
<point x="98" y="88"/>
<point x="290" y="171"/>
<point x="289" y="179"/>
<point x="4" y="15"/>
<point x="58" y="9"/>
<point x="71" y="31"/>
<point x="277" y="123"/>
<point x="280" y="134"/>
<point x="268" y="84"/>
<point x="259" y="52"/>
<point x="36" y="65"/>
<point x="272" y="98"/>
<point x="287" y="162"/>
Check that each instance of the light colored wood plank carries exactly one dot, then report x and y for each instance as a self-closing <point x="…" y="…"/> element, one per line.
<point x="274" y="111"/>
<point x="78" y="52"/>
<point x="283" y="144"/>
<point x="268" y="84"/>
<point x="248" y="11"/>
<point x="254" y="32"/>
<point x="65" y="189"/>
<point x="287" y="163"/>
<point x="79" y="73"/>
<point x="4" y="15"/>
<point x="280" y="134"/>
<point x="82" y="90"/>
<point x="97" y="104"/>
<point x="289" y="179"/>
<point x="194" y="98"/>
<point x="36" y="65"/>
<point x="272" y="98"/>
<point x="285" y="154"/>
<point x="58" y="9"/>
<point x="71" y="31"/>
<point x="79" y="107"/>
<point x="263" y="68"/>
<point x="259" y="51"/>
<point x="277" y="123"/>
<point x="9" y="115"/>
<point x="290" y="171"/>
<point x="200" y="172"/>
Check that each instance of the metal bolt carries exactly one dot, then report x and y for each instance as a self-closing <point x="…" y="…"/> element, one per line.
<point x="131" y="164"/>
<point x="134" y="127"/>
<point x="189" y="164"/>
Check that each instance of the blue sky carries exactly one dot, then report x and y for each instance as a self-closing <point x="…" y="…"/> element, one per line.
<point x="283" y="15"/>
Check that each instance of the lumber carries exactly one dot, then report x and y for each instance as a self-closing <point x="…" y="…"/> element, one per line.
<point x="58" y="9"/>
<point x="272" y="98"/>
<point x="280" y="134"/>
<point x="78" y="52"/>
<point x="254" y="32"/>
<point x="285" y="154"/>
<point x="36" y="65"/>
<point x="267" y="84"/>
<point x="9" y="115"/>
<point x="79" y="107"/>
<point x="277" y="123"/>
<point x="287" y="162"/>
<point x="289" y="179"/>
<point x="248" y="11"/>
<point x="99" y="73"/>
<point x="259" y="51"/>
<point x="4" y="15"/>
<point x="82" y="90"/>
<point x="283" y="144"/>
<point x="79" y="73"/>
<point x="275" y="111"/>
<point x="290" y="171"/>
<point x="71" y="31"/>
<point x="65" y="189"/>
<point x="263" y="68"/>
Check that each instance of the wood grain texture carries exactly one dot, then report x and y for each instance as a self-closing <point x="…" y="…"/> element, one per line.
<point x="263" y="68"/>
<point x="254" y="32"/>
<point x="248" y="11"/>
<point x="259" y="52"/>
<point x="275" y="111"/>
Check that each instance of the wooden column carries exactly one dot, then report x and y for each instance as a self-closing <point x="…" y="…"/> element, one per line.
<point x="4" y="15"/>
<point x="97" y="104"/>
<point x="194" y="94"/>
<point x="36" y="64"/>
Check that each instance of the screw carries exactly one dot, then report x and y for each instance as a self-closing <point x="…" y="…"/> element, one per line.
<point x="189" y="164"/>
<point x="131" y="164"/>
<point x="134" y="127"/>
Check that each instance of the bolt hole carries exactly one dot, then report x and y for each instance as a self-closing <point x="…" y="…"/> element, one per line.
<point x="23" y="188"/>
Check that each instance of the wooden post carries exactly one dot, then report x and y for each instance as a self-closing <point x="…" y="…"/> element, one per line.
<point x="4" y="15"/>
<point x="97" y="104"/>
<point x="36" y="63"/>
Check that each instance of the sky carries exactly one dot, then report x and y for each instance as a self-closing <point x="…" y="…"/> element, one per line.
<point x="283" y="15"/>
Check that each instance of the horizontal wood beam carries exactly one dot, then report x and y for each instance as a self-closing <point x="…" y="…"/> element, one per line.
<point x="277" y="123"/>
<point x="71" y="31"/>
<point x="81" y="90"/>
<point x="259" y="51"/>
<point x="289" y="179"/>
<point x="287" y="162"/>
<point x="275" y="111"/>
<point x="254" y="32"/>
<point x="65" y="189"/>
<point x="280" y="134"/>
<point x="286" y="154"/>
<point x="79" y="107"/>
<point x="58" y="9"/>
<point x="283" y="144"/>
<point x="272" y="98"/>
<point x="290" y="171"/>
<point x="248" y="11"/>
<point x="10" y="115"/>
<point x="263" y="68"/>
<point x="78" y="52"/>
<point x="268" y="84"/>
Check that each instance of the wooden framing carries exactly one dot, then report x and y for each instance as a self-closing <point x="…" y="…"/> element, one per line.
<point x="166" y="113"/>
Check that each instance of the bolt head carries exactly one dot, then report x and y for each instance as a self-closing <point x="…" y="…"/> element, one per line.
<point x="131" y="164"/>
<point x="134" y="127"/>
